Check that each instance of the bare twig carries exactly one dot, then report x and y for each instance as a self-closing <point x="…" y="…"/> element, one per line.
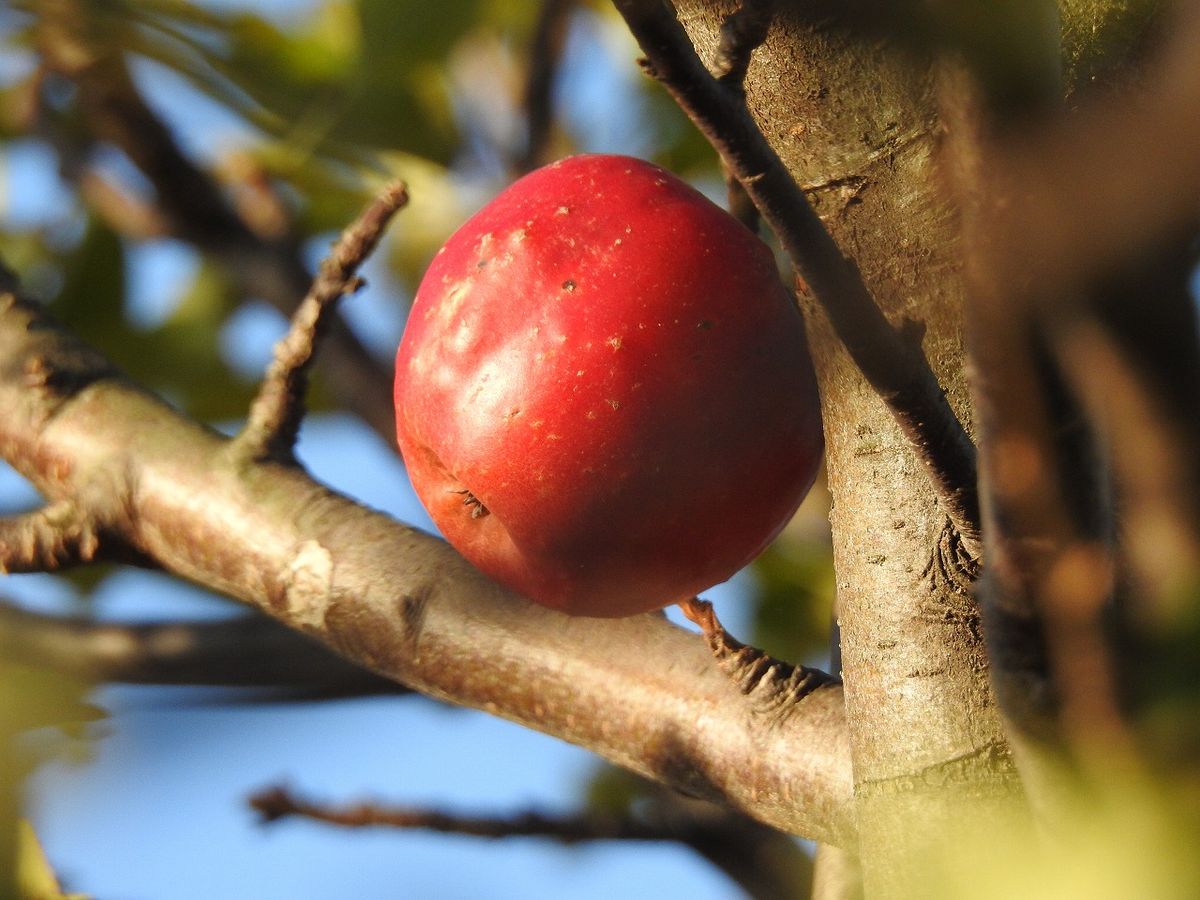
<point x="765" y="863"/>
<point x="275" y="416"/>
<point x="278" y="803"/>
<point x="893" y="365"/>
<point x="250" y="651"/>
<point x="544" y="56"/>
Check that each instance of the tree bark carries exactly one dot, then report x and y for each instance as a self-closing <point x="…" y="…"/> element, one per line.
<point x="855" y="122"/>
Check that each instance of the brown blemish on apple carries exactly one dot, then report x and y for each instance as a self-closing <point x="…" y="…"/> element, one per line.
<point x="568" y="285"/>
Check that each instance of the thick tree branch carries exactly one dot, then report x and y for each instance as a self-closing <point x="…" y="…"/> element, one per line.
<point x="890" y="361"/>
<point x="250" y="651"/>
<point x="640" y="691"/>
<point x="274" y="421"/>
<point x="192" y="204"/>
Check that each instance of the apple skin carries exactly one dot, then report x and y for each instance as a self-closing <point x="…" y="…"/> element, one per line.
<point x="603" y="394"/>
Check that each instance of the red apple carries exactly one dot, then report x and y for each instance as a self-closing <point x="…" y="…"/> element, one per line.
<point x="603" y="394"/>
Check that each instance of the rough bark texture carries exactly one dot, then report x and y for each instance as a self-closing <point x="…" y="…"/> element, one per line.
<point x="856" y="124"/>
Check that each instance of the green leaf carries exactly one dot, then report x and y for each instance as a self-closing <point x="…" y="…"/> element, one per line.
<point x="793" y="590"/>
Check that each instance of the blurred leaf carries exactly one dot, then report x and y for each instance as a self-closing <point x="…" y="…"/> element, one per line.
<point x="182" y="358"/>
<point x="34" y="698"/>
<point x="613" y="791"/>
<point x="93" y="292"/>
<point x="35" y="876"/>
<point x="437" y="208"/>
<point x="179" y="359"/>
<point x="354" y="75"/>
<point x="793" y="590"/>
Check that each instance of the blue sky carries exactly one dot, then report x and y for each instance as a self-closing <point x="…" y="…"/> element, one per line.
<point x="158" y="810"/>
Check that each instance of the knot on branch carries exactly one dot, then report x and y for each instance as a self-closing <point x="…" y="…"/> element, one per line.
<point x="742" y="32"/>
<point x="951" y="565"/>
<point x="773" y="686"/>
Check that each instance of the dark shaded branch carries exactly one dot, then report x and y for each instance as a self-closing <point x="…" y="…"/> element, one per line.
<point x="1152" y="457"/>
<point x="275" y="416"/>
<point x="278" y="803"/>
<point x="741" y="207"/>
<point x="193" y="205"/>
<point x="1065" y="224"/>
<point x="545" y="53"/>
<point x="639" y="691"/>
<point x="765" y="863"/>
<point x="891" y="362"/>
<point x="249" y="651"/>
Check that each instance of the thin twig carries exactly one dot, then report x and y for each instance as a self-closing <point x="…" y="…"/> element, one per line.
<point x="278" y="803"/>
<point x="893" y="365"/>
<point x="275" y="416"/>
<point x="741" y="207"/>
<point x="249" y="651"/>
<point x="545" y="54"/>
<point x="764" y="862"/>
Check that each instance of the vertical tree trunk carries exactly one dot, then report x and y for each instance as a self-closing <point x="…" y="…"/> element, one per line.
<point x="855" y="122"/>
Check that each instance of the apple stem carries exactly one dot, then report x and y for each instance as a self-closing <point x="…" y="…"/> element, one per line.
<point x="773" y="686"/>
<point x="478" y="510"/>
<point x="274" y="421"/>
